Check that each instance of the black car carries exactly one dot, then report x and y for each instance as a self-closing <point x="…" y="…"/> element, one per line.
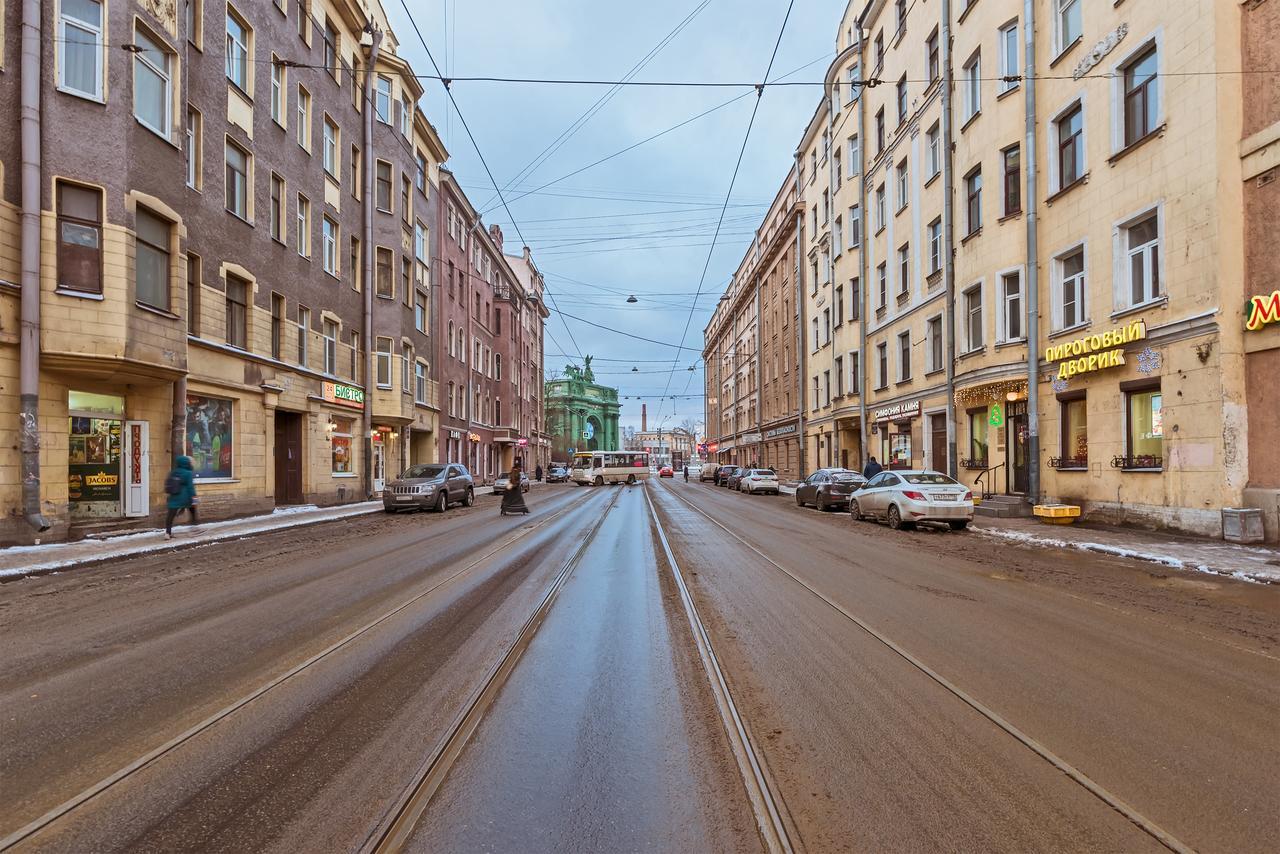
<point x="736" y="477"/>
<point x="723" y="475"/>
<point x="827" y="488"/>
<point x="557" y="474"/>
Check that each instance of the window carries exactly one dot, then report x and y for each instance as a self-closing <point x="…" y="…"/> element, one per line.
<point x="902" y="185"/>
<point x="882" y="360"/>
<point x="813" y="334"/>
<point x="331" y="49"/>
<point x="1141" y="241"/>
<point x="1069" y="130"/>
<point x="855" y="373"/>
<point x="854" y="77"/>
<point x="355" y="263"/>
<point x="836" y="167"/>
<point x="329" y="246"/>
<point x="384" y="286"/>
<point x="935" y="246"/>
<point x="1011" y="305"/>
<point x="900" y="9"/>
<point x="904" y="268"/>
<point x="1012" y="157"/>
<point x="330" y="152"/>
<point x="195" y="23"/>
<point x="406" y="116"/>
<point x="342" y="460"/>
<point x="1008" y="41"/>
<point x="383" y="194"/>
<point x="80" y="30"/>
<point x="1066" y="23"/>
<point x="497" y="366"/>
<point x="826" y="388"/>
<point x="932" y="65"/>
<point x="973" y="200"/>
<point x="304" y="226"/>
<point x="1071" y="294"/>
<point x="826" y="326"/>
<point x="194" y="148"/>
<point x="978" y="437"/>
<point x="329" y="332"/>
<point x="405" y="187"/>
<point x="880" y="132"/>
<point x="383" y="355"/>
<point x="838" y="308"/>
<point x="452" y="409"/>
<point x="237" y="180"/>
<point x="420" y="175"/>
<point x="151" y="260"/>
<point x="406" y="361"/>
<point x="420" y="382"/>
<point x="935" y="150"/>
<point x="1075" y="434"/>
<point x="1141" y="97"/>
<point x="879" y="45"/>
<point x="406" y="278"/>
<point x="902" y="99"/>
<point x="838" y="370"/>
<point x="972" y="87"/>
<point x="355" y="171"/>
<point x="279" y="79"/>
<point x="303" y="130"/>
<point x="933" y="335"/>
<point x="1144" y="438"/>
<point x="277" y="326"/>
<point x="238" y="35"/>
<point x="973" y="318"/>
<point x="855" y="298"/>
<point x="453" y="350"/>
<point x="882" y="279"/>
<point x="420" y="312"/>
<point x="237" y="312"/>
<point x="193" y="294"/>
<point x="357" y="365"/>
<point x="277" y="207"/>
<point x="855" y="155"/>
<point x="904" y="357"/>
<point x="382" y="99"/>
<point x="855" y="227"/>
<point x="304" y="20"/>
<point x="152" y="83"/>
<point x="881" y="216"/>
<point x="304" y="334"/>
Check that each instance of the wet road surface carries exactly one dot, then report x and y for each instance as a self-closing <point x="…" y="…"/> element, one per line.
<point x="301" y="679"/>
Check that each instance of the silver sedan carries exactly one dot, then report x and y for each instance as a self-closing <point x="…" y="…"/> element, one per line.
<point x="903" y="498"/>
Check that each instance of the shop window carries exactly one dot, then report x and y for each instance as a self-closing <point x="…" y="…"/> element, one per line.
<point x="237" y="312"/>
<point x="151" y="260"/>
<point x="80" y="31"/>
<point x="1075" y="434"/>
<point x="978" y="449"/>
<point x="79" y="238"/>
<point x="210" y="440"/>
<point x="340" y="446"/>
<point x="1144" y="429"/>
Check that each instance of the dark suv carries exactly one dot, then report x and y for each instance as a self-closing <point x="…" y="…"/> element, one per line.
<point x="828" y="488"/>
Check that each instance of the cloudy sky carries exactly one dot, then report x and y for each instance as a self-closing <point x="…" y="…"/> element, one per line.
<point x="640" y="223"/>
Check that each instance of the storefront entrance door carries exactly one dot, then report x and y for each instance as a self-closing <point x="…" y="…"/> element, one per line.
<point x="1016" y="424"/>
<point x="379" y="467"/>
<point x="288" y="458"/>
<point x="938" y="442"/>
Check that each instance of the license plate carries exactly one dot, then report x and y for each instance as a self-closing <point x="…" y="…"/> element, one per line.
<point x="945" y="496"/>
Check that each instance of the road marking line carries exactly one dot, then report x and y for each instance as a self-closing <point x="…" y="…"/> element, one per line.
<point x="763" y="802"/>
<point x="413" y="802"/>
<point x="36" y="825"/>
<point x="1128" y="811"/>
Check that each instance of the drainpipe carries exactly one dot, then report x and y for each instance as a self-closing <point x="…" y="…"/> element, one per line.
<point x="833" y="451"/>
<point x="759" y="378"/>
<point x="862" y="254"/>
<point x="948" y="237"/>
<point x="800" y="318"/>
<point x="29" y="340"/>
<point x="370" y="165"/>
<point x="1033" y="278"/>
<point x="178" y="423"/>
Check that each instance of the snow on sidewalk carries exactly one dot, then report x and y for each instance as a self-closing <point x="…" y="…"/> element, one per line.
<point x="1246" y="563"/>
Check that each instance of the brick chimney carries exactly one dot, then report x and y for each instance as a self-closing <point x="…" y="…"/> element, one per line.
<point x="496" y="234"/>
<point x="644" y="418"/>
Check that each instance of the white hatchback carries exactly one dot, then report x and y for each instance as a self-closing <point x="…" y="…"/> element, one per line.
<point x="903" y="498"/>
<point x="759" y="480"/>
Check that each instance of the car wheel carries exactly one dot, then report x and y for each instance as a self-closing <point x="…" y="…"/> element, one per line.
<point x="799" y="503"/>
<point x="599" y="481"/>
<point x="631" y="479"/>
<point x="959" y="526"/>
<point x="469" y="498"/>
<point x="895" y="520"/>
<point x="442" y="501"/>
<point x="855" y="511"/>
<point x="820" y="503"/>
<point x="389" y="510"/>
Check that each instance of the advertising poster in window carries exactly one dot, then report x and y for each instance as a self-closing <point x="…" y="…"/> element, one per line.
<point x="209" y="438"/>
<point x="340" y="443"/>
<point x="93" y="465"/>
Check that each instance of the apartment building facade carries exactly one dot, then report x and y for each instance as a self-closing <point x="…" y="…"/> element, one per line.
<point x="197" y="272"/>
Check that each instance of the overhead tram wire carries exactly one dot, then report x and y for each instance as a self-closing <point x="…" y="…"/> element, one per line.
<point x="746" y="137"/>
<point x="466" y="127"/>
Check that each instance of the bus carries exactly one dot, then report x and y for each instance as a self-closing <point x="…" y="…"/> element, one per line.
<point x="600" y="467"/>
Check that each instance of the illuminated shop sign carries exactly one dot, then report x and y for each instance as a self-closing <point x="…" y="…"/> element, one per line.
<point x="344" y="395"/>
<point x="900" y="410"/>
<point x="1262" y="311"/>
<point x="1095" y="352"/>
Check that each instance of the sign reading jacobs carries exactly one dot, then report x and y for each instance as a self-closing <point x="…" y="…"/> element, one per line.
<point x="1081" y="355"/>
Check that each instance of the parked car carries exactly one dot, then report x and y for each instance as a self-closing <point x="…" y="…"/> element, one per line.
<point x="429" y="485"/>
<point x="735" y="477"/>
<point x="903" y="498"/>
<point x="758" y="480"/>
<point x="827" y="488"/>
<point x="723" y="475"/>
<point x="666" y="471"/>
<point x="708" y="472"/>
<point x="557" y="474"/>
<point x="500" y="485"/>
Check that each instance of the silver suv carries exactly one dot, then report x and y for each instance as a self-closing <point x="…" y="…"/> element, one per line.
<point x="429" y="486"/>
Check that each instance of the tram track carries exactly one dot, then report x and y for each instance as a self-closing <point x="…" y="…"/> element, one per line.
<point x="1041" y="751"/>
<point x="70" y="806"/>
<point x="397" y="826"/>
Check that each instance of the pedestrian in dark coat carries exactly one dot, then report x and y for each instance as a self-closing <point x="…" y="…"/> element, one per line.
<point x="513" y="498"/>
<point x="872" y="468"/>
<point x="537" y="473"/>
<point x="181" y="488"/>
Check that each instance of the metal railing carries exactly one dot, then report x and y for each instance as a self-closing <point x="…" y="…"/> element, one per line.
<point x="984" y="483"/>
<point x="1138" y="461"/>
<point x="1080" y="461"/>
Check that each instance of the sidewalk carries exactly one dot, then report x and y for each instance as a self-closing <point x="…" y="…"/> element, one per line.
<point x="18" y="561"/>
<point x="1257" y="563"/>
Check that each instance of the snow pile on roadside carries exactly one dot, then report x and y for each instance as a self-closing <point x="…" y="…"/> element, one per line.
<point x="1257" y="574"/>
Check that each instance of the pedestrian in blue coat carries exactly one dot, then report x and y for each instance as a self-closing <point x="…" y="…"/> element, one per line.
<point x="180" y="486"/>
<point x="871" y="469"/>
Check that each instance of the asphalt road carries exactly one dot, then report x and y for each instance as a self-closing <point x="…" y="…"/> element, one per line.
<point x="902" y="691"/>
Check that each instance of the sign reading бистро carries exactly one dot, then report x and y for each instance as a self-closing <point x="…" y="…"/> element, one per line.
<point x="1081" y="355"/>
<point x="343" y="394"/>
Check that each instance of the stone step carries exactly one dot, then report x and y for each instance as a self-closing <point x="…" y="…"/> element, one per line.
<point x="1003" y="510"/>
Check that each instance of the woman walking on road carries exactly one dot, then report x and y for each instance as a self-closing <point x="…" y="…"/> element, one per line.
<point x="513" y="498"/>
<point x="180" y="486"/>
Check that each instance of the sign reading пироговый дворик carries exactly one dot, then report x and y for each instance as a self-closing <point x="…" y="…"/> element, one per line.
<point x="1094" y="352"/>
